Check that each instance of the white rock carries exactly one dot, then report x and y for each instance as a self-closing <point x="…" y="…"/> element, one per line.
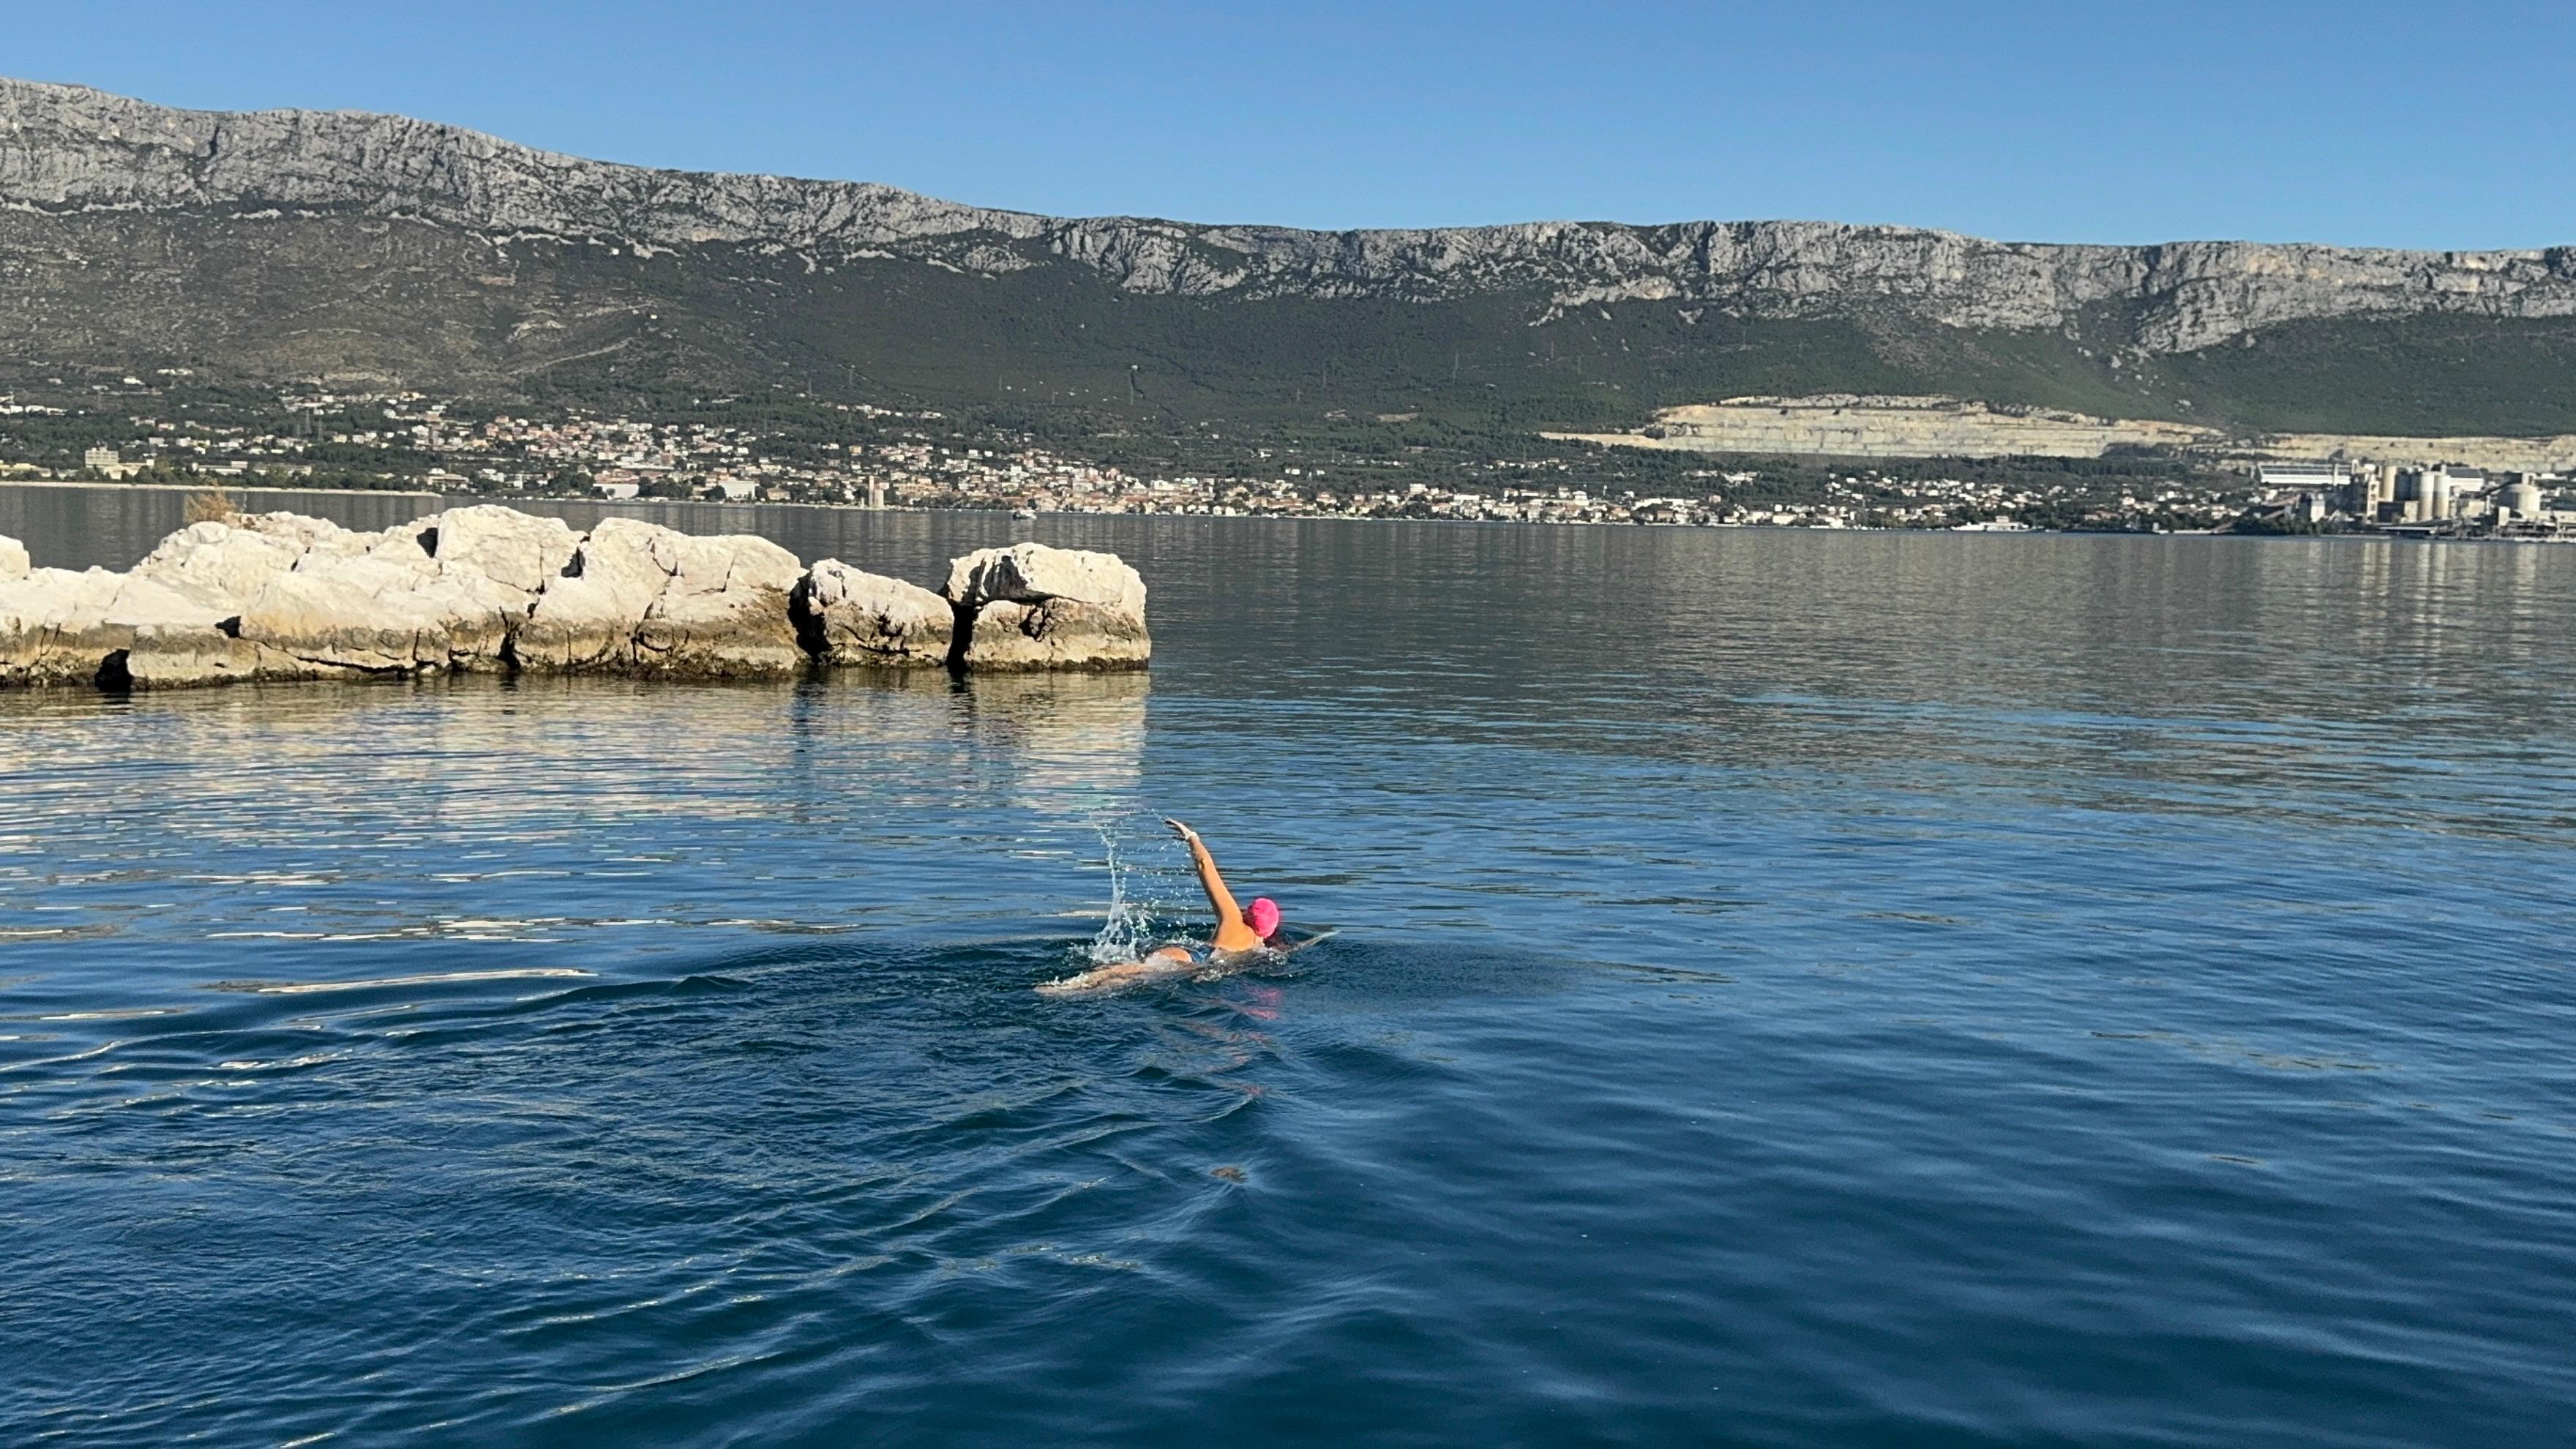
<point x="233" y="563"/>
<point x="642" y="597"/>
<point x="587" y="619"/>
<point x="61" y="627"/>
<point x="329" y="542"/>
<point x="176" y="599"/>
<point x="54" y="595"/>
<point x="584" y="623"/>
<point x="504" y="545"/>
<point x="381" y="614"/>
<point x="1031" y="573"/>
<point x="296" y="528"/>
<point x="14" y="563"/>
<point x="736" y="632"/>
<point x="725" y="563"/>
<point x="78" y="627"/>
<point x="435" y="593"/>
<point x="1056" y="634"/>
<point x="177" y="657"/>
<point x="1035" y="607"/>
<point x="53" y="626"/>
<point x="278" y="596"/>
<point x="852" y="617"/>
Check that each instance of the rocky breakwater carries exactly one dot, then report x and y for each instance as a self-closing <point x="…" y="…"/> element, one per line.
<point x="488" y="589"/>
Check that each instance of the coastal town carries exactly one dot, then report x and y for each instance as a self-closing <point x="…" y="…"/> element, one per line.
<point x="923" y="459"/>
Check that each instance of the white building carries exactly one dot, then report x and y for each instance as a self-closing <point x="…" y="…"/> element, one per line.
<point x="2299" y="477"/>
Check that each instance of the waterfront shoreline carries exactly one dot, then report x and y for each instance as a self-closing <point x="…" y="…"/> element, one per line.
<point x="454" y="500"/>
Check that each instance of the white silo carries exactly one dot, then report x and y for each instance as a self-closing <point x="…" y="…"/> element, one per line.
<point x="2414" y="493"/>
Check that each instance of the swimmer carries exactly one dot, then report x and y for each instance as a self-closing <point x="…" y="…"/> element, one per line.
<point x="1241" y="931"/>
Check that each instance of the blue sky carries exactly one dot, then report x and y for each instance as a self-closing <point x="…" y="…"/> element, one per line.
<point x="2366" y="122"/>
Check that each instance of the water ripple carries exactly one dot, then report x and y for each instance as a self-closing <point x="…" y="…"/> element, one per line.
<point x="1789" y="991"/>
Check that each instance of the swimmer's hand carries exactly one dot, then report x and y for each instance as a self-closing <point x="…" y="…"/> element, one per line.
<point x="1183" y="831"/>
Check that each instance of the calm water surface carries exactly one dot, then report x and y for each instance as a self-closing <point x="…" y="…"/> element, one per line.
<point x="1790" y="989"/>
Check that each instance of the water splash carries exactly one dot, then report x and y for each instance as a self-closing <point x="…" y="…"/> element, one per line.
<point x="1128" y="932"/>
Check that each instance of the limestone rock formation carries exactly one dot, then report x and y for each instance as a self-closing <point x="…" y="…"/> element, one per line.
<point x="1029" y="573"/>
<point x="279" y="597"/>
<point x="851" y="617"/>
<point x="306" y="533"/>
<point x="70" y="152"/>
<point x="13" y="559"/>
<point x="234" y="562"/>
<point x="53" y="626"/>
<point x="375" y="614"/>
<point x="184" y="616"/>
<point x="62" y="627"/>
<point x="641" y="598"/>
<point x="1055" y="634"/>
<point x="185" y="656"/>
<point x="1030" y="606"/>
<point x="505" y="545"/>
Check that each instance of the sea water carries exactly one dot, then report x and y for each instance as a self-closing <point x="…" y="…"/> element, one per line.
<point x="1790" y="989"/>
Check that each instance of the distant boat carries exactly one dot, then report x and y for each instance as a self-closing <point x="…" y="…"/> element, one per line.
<point x="1024" y="513"/>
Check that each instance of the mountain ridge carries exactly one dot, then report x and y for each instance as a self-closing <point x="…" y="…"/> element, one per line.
<point x="269" y="247"/>
<point x="70" y="149"/>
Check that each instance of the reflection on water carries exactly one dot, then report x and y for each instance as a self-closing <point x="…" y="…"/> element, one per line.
<point x="459" y="795"/>
<point x="1790" y="989"/>
<point x="1072" y="744"/>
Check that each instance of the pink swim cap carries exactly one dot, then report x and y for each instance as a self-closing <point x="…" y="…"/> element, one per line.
<point x="1263" y="917"/>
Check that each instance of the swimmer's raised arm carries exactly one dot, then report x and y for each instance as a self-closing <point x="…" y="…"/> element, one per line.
<point x="1220" y="899"/>
<point x="1231" y="932"/>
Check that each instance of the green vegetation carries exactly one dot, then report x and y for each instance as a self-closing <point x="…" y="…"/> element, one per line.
<point x="2416" y="376"/>
<point x="1054" y="340"/>
<point x="1372" y="392"/>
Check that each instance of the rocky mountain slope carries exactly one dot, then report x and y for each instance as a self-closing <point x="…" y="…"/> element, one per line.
<point x="280" y="243"/>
